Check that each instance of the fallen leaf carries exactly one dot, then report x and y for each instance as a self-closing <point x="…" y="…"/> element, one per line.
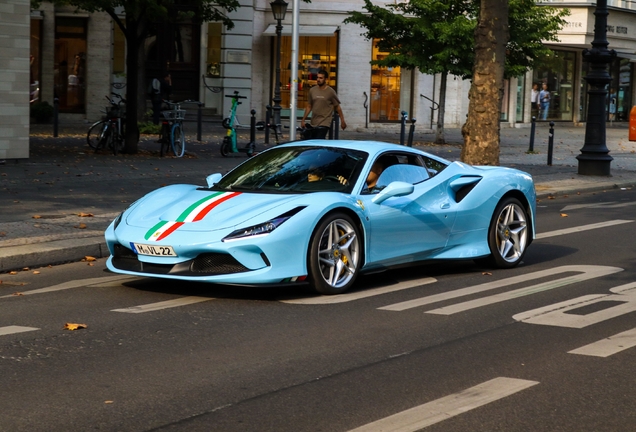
<point x="36" y="272"/>
<point x="37" y="217"/>
<point x="109" y="402"/>
<point x="82" y="214"/>
<point x="13" y="272"/>
<point x="3" y="234"/>
<point x="72" y="326"/>
<point x="81" y="226"/>
<point x="487" y="274"/>
<point x="90" y="258"/>
<point x="25" y="269"/>
<point x="17" y="294"/>
<point x="564" y="215"/>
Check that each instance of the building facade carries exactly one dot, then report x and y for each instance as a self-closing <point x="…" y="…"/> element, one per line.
<point x="78" y="58"/>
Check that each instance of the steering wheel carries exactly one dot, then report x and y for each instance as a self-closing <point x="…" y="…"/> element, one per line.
<point x="338" y="179"/>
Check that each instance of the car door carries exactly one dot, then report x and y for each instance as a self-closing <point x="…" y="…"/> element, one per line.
<point x="411" y="227"/>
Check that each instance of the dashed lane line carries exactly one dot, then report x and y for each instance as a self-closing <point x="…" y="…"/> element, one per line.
<point x="75" y="284"/>
<point x="582" y="228"/>
<point x="15" y="329"/>
<point x="611" y="345"/>
<point x="444" y="408"/>
<point x="151" y="307"/>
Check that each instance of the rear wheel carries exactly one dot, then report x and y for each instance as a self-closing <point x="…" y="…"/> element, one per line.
<point x="507" y="234"/>
<point x="95" y="134"/>
<point x="178" y="140"/>
<point x="335" y="255"/>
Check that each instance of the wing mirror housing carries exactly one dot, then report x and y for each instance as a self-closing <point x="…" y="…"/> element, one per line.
<point x="394" y="189"/>
<point x="213" y="179"/>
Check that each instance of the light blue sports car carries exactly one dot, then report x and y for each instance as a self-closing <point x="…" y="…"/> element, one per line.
<point x="323" y="212"/>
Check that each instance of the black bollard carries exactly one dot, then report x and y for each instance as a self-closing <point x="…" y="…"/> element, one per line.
<point x="550" y="143"/>
<point x="336" y="125"/>
<point x="268" y="119"/>
<point x="253" y="127"/>
<point x="199" y="120"/>
<point x="532" y="128"/>
<point x="403" y="128"/>
<point x="56" y="118"/>
<point x="411" y="131"/>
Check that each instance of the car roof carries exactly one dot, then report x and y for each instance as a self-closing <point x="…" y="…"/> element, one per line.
<point x="371" y="147"/>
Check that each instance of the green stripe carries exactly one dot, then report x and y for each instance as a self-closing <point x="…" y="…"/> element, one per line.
<point x="189" y="210"/>
<point x="154" y="229"/>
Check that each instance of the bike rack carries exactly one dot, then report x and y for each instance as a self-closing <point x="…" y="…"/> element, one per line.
<point x="434" y="106"/>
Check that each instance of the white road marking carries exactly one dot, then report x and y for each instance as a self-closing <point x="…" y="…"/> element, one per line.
<point x="183" y="301"/>
<point x="75" y="284"/>
<point x="609" y="346"/>
<point x="342" y="298"/>
<point x="587" y="272"/>
<point x="582" y="228"/>
<point x="15" y="329"/>
<point x="444" y="408"/>
<point x="611" y="204"/>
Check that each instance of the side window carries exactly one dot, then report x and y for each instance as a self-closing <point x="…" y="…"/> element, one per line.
<point x="390" y="167"/>
<point x="434" y="167"/>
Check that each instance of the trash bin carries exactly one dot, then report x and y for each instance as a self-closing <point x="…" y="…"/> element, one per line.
<point x="632" y="124"/>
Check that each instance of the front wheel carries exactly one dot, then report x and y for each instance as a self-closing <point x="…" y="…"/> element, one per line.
<point x="335" y="255"/>
<point x="226" y="146"/>
<point x="178" y="140"/>
<point x="507" y="234"/>
<point x="96" y="134"/>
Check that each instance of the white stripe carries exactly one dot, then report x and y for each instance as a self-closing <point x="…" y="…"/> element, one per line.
<point x="183" y="301"/>
<point x="80" y="283"/>
<point x="438" y="410"/>
<point x="15" y="329"/>
<point x="587" y="272"/>
<point x="342" y="298"/>
<point x="161" y="230"/>
<point x="203" y="205"/>
<point x="609" y="346"/>
<point x="582" y="228"/>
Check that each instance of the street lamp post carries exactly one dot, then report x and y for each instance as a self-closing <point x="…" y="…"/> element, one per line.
<point x="279" y="9"/>
<point x="594" y="158"/>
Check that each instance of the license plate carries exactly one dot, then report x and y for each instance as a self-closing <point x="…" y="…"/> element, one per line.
<point x="153" y="250"/>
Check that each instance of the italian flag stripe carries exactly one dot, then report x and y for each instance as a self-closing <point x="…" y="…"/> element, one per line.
<point x="207" y="208"/>
<point x="195" y="212"/>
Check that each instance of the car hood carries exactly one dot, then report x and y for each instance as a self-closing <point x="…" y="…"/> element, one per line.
<point x="203" y="210"/>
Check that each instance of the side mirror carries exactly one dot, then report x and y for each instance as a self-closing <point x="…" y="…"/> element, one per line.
<point x="213" y="179"/>
<point x="394" y="189"/>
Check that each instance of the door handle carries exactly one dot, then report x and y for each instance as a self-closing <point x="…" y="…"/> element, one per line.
<point x="445" y="205"/>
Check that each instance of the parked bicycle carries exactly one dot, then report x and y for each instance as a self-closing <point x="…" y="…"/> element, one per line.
<point x="172" y="135"/>
<point x="229" y="144"/>
<point x="109" y="131"/>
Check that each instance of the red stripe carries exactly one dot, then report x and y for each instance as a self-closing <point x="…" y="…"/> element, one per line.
<point x="170" y="230"/>
<point x="207" y="209"/>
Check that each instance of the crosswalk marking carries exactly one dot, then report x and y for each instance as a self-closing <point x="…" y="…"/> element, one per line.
<point x="609" y="346"/>
<point x="76" y="284"/>
<point x="183" y="301"/>
<point x="444" y="408"/>
<point x="342" y="298"/>
<point x="15" y="329"/>
<point x="582" y="228"/>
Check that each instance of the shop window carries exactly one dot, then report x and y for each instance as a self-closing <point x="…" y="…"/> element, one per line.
<point x="213" y="62"/>
<point x="35" y="60"/>
<point x="556" y="72"/>
<point x="521" y="98"/>
<point x="314" y="53"/>
<point x="505" y="101"/>
<point x="70" y="64"/>
<point x="385" y="90"/>
<point x="619" y="91"/>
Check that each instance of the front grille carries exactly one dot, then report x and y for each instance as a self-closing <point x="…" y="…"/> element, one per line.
<point x="123" y="252"/>
<point x="216" y="264"/>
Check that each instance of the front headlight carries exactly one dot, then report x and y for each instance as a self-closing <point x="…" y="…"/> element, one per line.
<point x="117" y="220"/>
<point x="262" y="228"/>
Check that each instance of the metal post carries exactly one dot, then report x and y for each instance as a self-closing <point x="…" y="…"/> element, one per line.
<point x="277" y="99"/>
<point x="56" y="110"/>
<point x="268" y="119"/>
<point x="532" y="129"/>
<point x="550" y="143"/>
<point x="411" y="131"/>
<point x="403" y="128"/>
<point x="366" y="110"/>
<point x="253" y="127"/>
<point x="594" y="158"/>
<point x="336" y="125"/>
<point x="199" y="120"/>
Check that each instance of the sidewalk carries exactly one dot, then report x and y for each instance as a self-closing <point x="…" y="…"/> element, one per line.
<point x="56" y="205"/>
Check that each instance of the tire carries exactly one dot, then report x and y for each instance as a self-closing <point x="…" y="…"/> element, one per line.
<point x="508" y="235"/>
<point x="334" y="255"/>
<point x="226" y="146"/>
<point x="178" y="140"/>
<point x="95" y="134"/>
<point x="104" y="141"/>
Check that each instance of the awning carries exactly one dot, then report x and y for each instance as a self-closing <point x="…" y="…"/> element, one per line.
<point x="630" y="56"/>
<point x="303" y="30"/>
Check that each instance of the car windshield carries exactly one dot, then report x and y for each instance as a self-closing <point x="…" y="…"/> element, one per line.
<point x="297" y="169"/>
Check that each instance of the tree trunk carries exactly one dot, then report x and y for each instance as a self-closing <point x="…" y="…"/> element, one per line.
<point x="142" y="84"/>
<point x="132" y="84"/>
<point x="481" y="131"/>
<point x="439" y="130"/>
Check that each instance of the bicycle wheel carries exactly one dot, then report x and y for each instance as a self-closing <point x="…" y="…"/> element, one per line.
<point x="95" y="134"/>
<point x="104" y="140"/>
<point x="178" y="140"/>
<point x="118" y="142"/>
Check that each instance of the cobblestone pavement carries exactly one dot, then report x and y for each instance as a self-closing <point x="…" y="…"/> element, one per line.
<point x="55" y="205"/>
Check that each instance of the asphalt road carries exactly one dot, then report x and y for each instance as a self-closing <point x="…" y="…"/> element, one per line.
<point x="446" y="347"/>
